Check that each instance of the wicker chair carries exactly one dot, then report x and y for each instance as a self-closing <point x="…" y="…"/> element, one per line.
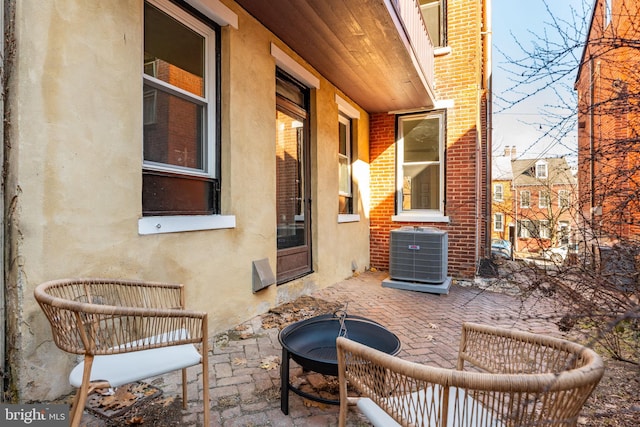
<point x="518" y="379"/>
<point x="127" y="331"/>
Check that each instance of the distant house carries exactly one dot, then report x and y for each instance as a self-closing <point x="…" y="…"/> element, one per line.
<point x="503" y="224"/>
<point x="609" y="124"/>
<point x="190" y="140"/>
<point x="544" y="197"/>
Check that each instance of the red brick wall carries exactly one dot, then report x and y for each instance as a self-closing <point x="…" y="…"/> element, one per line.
<point x="382" y="156"/>
<point x="457" y="79"/>
<point x="609" y="122"/>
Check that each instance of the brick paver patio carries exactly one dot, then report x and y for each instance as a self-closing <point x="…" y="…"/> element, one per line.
<point x="244" y="392"/>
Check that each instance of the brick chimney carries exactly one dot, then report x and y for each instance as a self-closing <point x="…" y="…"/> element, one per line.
<point x="510" y="151"/>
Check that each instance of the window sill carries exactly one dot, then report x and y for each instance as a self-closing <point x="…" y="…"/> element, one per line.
<point x="348" y="218"/>
<point x="441" y="51"/>
<point x="420" y="218"/>
<point x="182" y="223"/>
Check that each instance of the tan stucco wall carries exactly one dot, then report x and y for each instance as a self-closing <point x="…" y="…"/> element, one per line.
<point x="74" y="182"/>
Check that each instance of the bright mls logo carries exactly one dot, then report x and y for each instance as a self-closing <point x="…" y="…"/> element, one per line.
<point x="34" y="415"/>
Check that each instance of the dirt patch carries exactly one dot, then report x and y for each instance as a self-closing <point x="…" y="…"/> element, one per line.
<point x="302" y="308"/>
<point x="616" y="400"/>
<point x="162" y="412"/>
<point x="112" y="402"/>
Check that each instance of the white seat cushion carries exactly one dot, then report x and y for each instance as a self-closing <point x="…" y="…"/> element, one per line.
<point x="123" y="368"/>
<point x="463" y="411"/>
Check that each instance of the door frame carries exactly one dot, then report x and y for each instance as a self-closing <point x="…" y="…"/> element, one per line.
<point x="296" y="261"/>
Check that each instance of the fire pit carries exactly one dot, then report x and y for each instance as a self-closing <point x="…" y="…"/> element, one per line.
<point x="312" y="344"/>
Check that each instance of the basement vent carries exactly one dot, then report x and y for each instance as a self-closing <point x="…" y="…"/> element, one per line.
<point x="262" y="276"/>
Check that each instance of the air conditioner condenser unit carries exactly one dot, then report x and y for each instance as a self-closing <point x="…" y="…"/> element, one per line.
<point x="418" y="260"/>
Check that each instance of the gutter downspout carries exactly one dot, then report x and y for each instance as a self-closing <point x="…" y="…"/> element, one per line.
<point x="484" y="91"/>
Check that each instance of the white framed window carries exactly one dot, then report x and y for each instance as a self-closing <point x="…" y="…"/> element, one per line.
<point x="564" y="229"/>
<point x="345" y="190"/>
<point x="525" y="199"/>
<point x="498" y="222"/>
<point x="543" y="229"/>
<point x="564" y="199"/>
<point x="347" y="155"/>
<point x="434" y="15"/>
<point x="420" y="164"/>
<point x="541" y="170"/>
<point x="179" y="132"/>
<point x="544" y="199"/>
<point x="498" y="192"/>
<point x="524" y="229"/>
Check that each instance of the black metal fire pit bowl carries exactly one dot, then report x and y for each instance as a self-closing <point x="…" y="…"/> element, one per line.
<point x="312" y="344"/>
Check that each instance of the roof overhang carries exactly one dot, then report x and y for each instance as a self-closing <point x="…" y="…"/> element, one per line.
<point x="361" y="46"/>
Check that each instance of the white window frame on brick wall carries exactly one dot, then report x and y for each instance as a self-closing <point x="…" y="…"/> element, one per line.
<point x="498" y="192"/>
<point x="524" y="228"/>
<point x="544" y="199"/>
<point x="544" y="232"/>
<point x="564" y="199"/>
<point x="418" y="214"/>
<point x="525" y="202"/>
<point x="434" y="14"/>
<point x="498" y="222"/>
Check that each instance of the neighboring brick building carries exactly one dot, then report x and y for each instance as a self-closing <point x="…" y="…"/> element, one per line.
<point x="502" y="207"/>
<point x="544" y="193"/>
<point x="609" y="124"/>
<point x="444" y="185"/>
<point x="533" y="201"/>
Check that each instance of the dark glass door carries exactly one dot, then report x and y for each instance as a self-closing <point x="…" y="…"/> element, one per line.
<point x="293" y="201"/>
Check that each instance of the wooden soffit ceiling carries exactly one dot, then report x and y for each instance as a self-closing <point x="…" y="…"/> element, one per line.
<point x="352" y="43"/>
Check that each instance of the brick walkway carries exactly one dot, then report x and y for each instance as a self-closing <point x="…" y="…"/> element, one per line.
<point x="244" y="393"/>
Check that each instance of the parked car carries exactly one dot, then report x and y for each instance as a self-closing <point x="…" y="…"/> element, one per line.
<point x="501" y="248"/>
<point x="557" y="255"/>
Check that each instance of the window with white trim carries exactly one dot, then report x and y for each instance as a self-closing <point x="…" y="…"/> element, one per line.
<point x="541" y="170"/>
<point x="563" y="199"/>
<point x="345" y="186"/>
<point x="525" y="199"/>
<point x="179" y="173"/>
<point x="420" y="163"/>
<point x="525" y="228"/>
<point x="544" y="232"/>
<point x="498" y="192"/>
<point x="498" y="222"/>
<point x="434" y="15"/>
<point x="544" y="199"/>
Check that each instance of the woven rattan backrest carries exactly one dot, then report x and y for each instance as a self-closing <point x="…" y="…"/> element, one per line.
<point x="546" y="383"/>
<point x="508" y="351"/>
<point x="105" y="316"/>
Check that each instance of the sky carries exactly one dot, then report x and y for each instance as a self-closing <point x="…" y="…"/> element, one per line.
<point x="519" y="21"/>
